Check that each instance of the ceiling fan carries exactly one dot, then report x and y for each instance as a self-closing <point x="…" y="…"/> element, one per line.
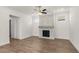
<point x="41" y="10"/>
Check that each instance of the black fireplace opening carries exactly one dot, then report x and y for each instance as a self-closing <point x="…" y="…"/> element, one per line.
<point x="46" y="33"/>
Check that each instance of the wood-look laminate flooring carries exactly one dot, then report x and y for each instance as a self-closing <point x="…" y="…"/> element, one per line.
<point x="38" y="45"/>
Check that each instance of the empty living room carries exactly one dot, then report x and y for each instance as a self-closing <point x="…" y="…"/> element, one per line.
<point x="39" y="29"/>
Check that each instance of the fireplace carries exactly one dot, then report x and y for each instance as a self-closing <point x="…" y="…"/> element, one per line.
<point x="45" y="33"/>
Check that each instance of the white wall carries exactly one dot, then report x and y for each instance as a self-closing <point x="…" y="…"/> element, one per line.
<point x="46" y="20"/>
<point x="26" y="26"/>
<point x="4" y="26"/>
<point x="74" y="22"/>
<point x="24" y="29"/>
<point x="61" y="27"/>
<point x="35" y="25"/>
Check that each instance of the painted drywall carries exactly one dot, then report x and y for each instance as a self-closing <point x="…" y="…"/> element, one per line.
<point x="46" y="20"/>
<point x="35" y="25"/>
<point x="24" y="27"/>
<point x="4" y="26"/>
<point x="61" y="27"/>
<point x="74" y="22"/>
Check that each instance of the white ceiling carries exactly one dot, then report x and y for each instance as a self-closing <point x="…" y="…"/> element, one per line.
<point x="30" y="9"/>
<point x="23" y="9"/>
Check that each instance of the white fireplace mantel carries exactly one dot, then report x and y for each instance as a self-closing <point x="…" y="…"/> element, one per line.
<point x="50" y="27"/>
<point x="45" y="28"/>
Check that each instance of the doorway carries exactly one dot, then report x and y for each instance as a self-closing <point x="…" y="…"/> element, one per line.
<point x="10" y="29"/>
<point x="13" y="27"/>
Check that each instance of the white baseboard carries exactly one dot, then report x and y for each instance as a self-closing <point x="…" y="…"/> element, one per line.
<point x="24" y="37"/>
<point x="4" y="43"/>
<point x="46" y="37"/>
<point x="74" y="45"/>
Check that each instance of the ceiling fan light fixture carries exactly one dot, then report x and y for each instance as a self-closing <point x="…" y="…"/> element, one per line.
<point x="39" y="13"/>
<point x="40" y="10"/>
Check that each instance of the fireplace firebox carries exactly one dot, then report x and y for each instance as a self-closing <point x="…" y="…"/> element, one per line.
<point x="45" y="33"/>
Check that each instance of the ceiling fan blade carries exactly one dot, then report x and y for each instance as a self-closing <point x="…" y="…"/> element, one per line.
<point x="44" y="10"/>
<point x="39" y="9"/>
